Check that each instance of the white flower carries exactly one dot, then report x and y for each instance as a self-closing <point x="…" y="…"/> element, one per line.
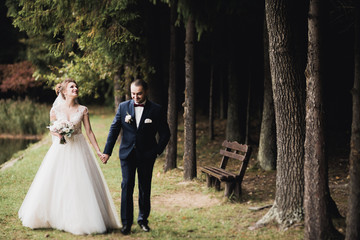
<point x="128" y="118"/>
<point x="63" y="127"/>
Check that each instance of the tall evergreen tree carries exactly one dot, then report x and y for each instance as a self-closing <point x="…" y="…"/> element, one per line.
<point x="233" y="123"/>
<point x="267" y="143"/>
<point x="318" y="224"/>
<point x="91" y="39"/>
<point x="172" y="115"/>
<point x="353" y="214"/>
<point x="189" y="104"/>
<point x="286" y="23"/>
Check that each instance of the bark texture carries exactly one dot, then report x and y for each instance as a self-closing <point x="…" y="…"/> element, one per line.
<point x="233" y="123"/>
<point x="318" y="224"/>
<point x="128" y="75"/>
<point x="118" y="91"/>
<point x="189" y="105"/>
<point x="267" y="143"/>
<point x="211" y="105"/>
<point x="286" y="55"/>
<point x="353" y="215"/>
<point x="222" y="108"/>
<point x="172" y="112"/>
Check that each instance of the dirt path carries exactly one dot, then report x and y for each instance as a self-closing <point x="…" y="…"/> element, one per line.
<point x="183" y="198"/>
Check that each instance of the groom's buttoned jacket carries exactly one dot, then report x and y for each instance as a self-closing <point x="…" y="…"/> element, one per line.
<point x="142" y="138"/>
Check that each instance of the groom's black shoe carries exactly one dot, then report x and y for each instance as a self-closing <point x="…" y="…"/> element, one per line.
<point x="125" y="230"/>
<point x="144" y="226"/>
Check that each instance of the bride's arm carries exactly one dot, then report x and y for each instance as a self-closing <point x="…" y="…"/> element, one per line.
<point x="53" y="119"/>
<point x="90" y="134"/>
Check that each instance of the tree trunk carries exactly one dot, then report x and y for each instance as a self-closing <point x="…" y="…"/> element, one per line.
<point x="189" y="104"/>
<point x="211" y="107"/>
<point x="247" y="122"/>
<point x="353" y="215"/>
<point x="233" y="123"/>
<point x="267" y="143"/>
<point x="221" y="98"/>
<point x="172" y="113"/>
<point x="287" y="74"/>
<point x="318" y="224"/>
<point x="327" y="54"/>
<point x="118" y="90"/>
<point x="128" y="74"/>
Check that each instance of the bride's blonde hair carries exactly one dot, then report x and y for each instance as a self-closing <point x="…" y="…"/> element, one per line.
<point x="60" y="87"/>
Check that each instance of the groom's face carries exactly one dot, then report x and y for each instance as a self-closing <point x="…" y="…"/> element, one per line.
<point x="138" y="94"/>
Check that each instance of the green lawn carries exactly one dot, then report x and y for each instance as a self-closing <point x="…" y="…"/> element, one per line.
<point x="179" y="209"/>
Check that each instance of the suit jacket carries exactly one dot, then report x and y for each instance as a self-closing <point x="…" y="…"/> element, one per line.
<point x="143" y="138"/>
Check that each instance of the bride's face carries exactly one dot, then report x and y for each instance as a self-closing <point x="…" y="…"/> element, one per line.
<point x="71" y="90"/>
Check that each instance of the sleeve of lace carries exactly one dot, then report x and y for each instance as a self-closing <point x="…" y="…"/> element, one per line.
<point x="86" y="111"/>
<point x="52" y="114"/>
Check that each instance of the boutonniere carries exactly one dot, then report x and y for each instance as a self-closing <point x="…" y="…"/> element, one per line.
<point x="148" y="120"/>
<point x="128" y="118"/>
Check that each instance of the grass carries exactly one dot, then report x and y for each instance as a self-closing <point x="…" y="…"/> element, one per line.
<point x="176" y="219"/>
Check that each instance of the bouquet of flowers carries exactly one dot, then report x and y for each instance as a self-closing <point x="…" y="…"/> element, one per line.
<point x="63" y="127"/>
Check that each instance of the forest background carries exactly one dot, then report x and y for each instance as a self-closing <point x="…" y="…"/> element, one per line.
<point x="216" y="59"/>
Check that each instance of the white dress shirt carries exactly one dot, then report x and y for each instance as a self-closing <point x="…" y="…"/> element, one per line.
<point x="138" y="113"/>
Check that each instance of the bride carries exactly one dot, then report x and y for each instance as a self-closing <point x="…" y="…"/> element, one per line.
<point x="69" y="191"/>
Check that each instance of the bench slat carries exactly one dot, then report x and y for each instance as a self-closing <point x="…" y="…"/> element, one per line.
<point x="235" y="145"/>
<point x="218" y="176"/>
<point x="222" y="171"/>
<point x="232" y="155"/>
<point x="219" y="173"/>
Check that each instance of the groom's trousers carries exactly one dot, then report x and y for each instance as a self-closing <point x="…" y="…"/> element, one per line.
<point x="144" y="167"/>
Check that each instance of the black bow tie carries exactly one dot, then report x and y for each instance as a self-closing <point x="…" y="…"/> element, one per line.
<point x="138" y="105"/>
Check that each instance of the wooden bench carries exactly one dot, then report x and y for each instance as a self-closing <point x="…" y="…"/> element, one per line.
<point x="232" y="180"/>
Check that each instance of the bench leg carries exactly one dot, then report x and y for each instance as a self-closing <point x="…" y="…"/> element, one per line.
<point x="217" y="184"/>
<point x="237" y="190"/>
<point x="229" y="188"/>
<point x="209" y="180"/>
<point x="232" y="187"/>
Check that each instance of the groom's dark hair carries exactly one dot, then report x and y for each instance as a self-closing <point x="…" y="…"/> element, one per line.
<point x="140" y="82"/>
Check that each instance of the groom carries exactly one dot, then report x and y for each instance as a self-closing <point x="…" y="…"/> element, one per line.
<point x="140" y="120"/>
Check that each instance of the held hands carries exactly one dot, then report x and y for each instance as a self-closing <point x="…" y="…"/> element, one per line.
<point x="103" y="157"/>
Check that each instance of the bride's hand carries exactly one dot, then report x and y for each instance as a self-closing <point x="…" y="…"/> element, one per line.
<point x="100" y="155"/>
<point x="105" y="158"/>
<point x="57" y="135"/>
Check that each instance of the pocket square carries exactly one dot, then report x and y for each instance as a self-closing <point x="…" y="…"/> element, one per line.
<point x="148" y="120"/>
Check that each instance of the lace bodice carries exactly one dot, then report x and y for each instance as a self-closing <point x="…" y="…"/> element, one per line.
<point x="76" y="118"/>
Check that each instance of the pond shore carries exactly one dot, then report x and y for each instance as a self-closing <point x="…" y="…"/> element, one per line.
<point x="20" y="136"/>
<point x="12" y="161"/>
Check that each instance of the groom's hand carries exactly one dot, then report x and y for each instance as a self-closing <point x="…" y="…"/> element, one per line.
<point x="105" y="158"/>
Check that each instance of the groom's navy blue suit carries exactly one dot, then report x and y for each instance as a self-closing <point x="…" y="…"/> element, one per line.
<point x="138" y="150"/>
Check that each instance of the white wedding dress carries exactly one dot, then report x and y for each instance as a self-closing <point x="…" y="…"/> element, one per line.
<point x="69" y="191"/>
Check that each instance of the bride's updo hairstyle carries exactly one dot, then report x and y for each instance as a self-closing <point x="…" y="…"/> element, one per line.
<point x="60" y="87"/>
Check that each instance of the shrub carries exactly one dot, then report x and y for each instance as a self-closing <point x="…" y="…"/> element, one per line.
<point x="23" y="117"/>
<point x="17" y="77"/>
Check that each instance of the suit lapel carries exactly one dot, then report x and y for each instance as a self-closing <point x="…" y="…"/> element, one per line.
<point x="132" y="112"/>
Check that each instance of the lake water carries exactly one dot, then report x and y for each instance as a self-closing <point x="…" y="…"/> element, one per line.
<point x="10" y="146"/>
